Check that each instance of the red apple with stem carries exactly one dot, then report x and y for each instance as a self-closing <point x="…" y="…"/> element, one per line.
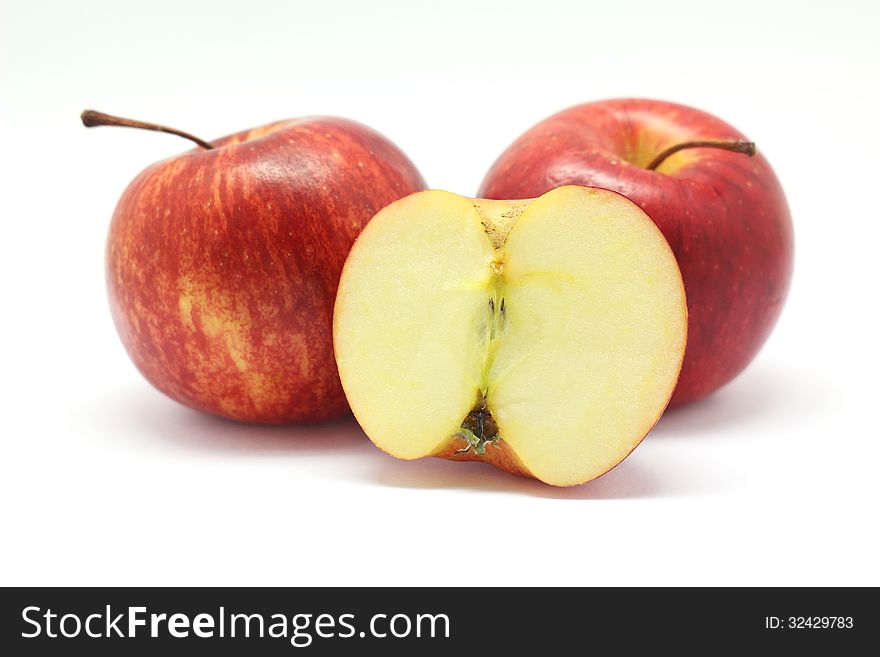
<point x="723" y="212"/>
<point x="223" y="262"/>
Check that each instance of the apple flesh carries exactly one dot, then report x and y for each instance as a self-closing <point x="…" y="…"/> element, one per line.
<point x="543" y="336"/>
<point x="222" y="264"/>
<point x="724" y="214"/>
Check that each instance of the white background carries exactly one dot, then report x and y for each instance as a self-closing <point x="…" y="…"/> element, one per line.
<point x="773" y="480"/>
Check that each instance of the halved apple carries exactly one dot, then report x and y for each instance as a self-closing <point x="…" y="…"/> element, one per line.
<point x="543" y="336"/>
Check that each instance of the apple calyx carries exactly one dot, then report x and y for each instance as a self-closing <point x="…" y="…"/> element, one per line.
<point x="745" y="147"/>
<point x="479" y="429"/>
<point x="91" y="119"/>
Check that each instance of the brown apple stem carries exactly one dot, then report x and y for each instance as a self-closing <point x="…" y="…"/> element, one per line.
<point x="747" y="147"/>
<point x="91" y="118"/>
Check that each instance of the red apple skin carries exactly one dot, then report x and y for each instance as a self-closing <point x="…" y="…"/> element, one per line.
<point x="222" y="264"/>
<point x="724" y="215"/>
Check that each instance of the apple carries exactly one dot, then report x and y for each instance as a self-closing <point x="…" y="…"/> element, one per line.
<point x="542" y="336"/>
<point x="723" y="212"/>
<point x="222" y="262"/>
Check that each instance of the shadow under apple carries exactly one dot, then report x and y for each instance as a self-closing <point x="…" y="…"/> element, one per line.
<point x="765" y="393"/>
<point x="762" y="395"/>
<point x="163" y="421"/>
<point x="629" y="480"/>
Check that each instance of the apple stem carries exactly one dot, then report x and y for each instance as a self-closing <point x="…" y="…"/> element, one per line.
<point x="747" y="147"/>
<point x="91" y="118"/>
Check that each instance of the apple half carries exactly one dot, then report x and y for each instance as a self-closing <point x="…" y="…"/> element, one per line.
<point x="542" y="336"/>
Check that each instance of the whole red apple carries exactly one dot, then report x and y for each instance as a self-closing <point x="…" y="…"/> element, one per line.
<point x="723" y="213"/>
<point x="223" y="262"/>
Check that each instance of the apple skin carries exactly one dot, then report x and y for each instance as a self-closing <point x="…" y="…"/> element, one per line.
<point x="222" y="264"/>
<point x="724" y="215"/>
